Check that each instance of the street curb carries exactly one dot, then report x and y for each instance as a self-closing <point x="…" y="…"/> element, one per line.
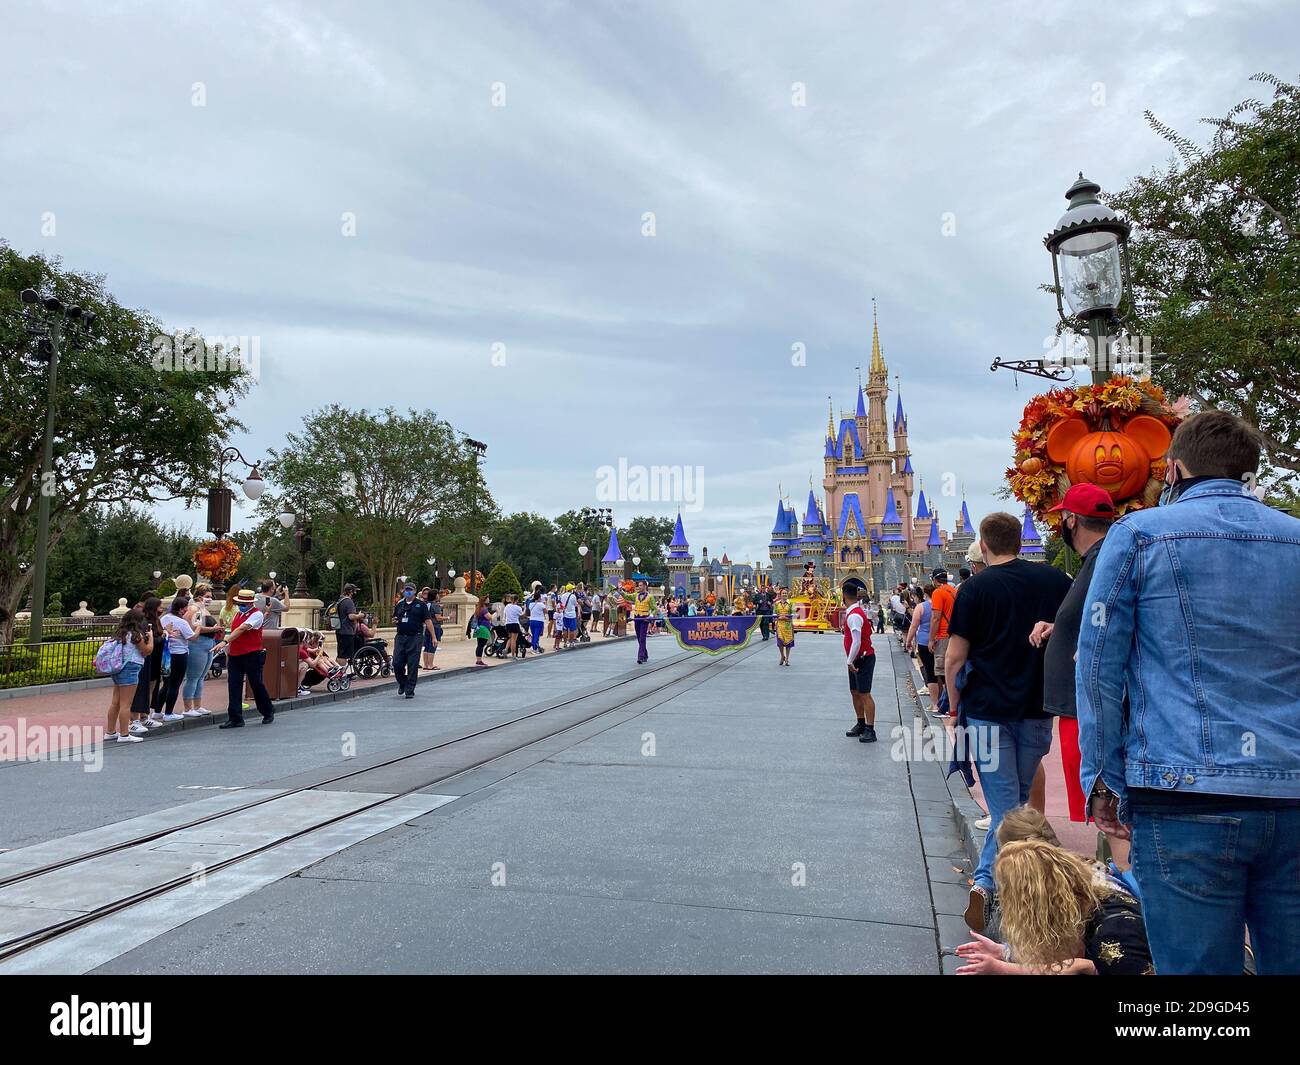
<point x="218" y="717"/>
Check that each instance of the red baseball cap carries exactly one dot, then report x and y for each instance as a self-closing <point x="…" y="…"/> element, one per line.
<point x="1087" y="500"/>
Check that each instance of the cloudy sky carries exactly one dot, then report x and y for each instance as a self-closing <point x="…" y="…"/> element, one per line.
<point x="443" y="205"/>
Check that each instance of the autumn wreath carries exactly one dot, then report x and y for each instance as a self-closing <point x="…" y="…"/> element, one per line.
<point x="217" y="560"/>
<point x="1114" y="434"/>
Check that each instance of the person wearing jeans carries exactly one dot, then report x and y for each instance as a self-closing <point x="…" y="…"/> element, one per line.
<point x="1001" y="694"/>
<point x="1189" y="720"/>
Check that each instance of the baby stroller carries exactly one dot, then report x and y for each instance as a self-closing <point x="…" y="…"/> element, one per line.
<point x="218" y="665"/>
<point x="497" y="647"/>
<point x="583" y="635"/>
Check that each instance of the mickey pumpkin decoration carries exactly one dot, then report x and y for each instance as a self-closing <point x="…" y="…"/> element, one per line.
<point x="1118" y="460"/>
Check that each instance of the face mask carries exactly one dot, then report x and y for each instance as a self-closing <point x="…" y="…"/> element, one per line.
<point x="409" y="593"/>
<point x="1067" y="536"/>
<point x="1172" y="489"/>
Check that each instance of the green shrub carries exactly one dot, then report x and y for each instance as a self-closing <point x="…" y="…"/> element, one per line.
<point x="500" y="583"/>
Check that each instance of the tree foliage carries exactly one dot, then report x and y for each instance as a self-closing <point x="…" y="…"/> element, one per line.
<point x="1216" y="266"/>
<point x="385" y="488"/>
<point x="500" y="583"/>
<point x="126" y="430"/>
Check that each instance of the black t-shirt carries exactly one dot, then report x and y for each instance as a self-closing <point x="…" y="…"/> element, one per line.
<point x="1058" y="660"/>
<point x="347" y="626"/>
<point x="996" y="610"/>
<point x="410" y="617"/>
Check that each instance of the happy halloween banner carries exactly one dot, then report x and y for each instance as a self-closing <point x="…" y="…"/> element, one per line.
<point x="713" y="635"/>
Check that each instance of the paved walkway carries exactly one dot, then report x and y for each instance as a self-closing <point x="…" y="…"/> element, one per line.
<point x="723" y="827"/>
<point x="87" y="708"/>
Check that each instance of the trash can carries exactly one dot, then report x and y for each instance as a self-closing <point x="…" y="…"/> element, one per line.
<point x="280" y="672"/>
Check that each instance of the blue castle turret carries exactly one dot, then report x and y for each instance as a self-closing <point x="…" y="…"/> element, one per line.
<point x="612" y="564"/>
<point x="679" y="562"/>
<point x="1031" y="544"/>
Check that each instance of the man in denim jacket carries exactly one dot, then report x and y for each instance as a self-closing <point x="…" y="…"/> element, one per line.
<point x="1189" y="706"/>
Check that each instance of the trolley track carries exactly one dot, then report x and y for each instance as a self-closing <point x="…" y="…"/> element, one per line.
<point x="21" y="944"/>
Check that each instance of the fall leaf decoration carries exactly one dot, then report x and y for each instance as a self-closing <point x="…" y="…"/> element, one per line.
<point x="217" y="560"/>
<point x="1040" y="482"/>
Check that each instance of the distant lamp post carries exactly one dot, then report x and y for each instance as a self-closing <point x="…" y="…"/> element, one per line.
<point x="271" y="574"/>
<point x="157" y="576"/>
<point x="592" y="518"/>
<point x="48" y="322"/>
<point x="301" y="526"/>
<point x="1090" y="265"/>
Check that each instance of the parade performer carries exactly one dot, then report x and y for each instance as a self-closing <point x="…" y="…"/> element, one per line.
<point x="808" y="583"/>
<point x="643" y="606"/>
<point x="784" y="614"/>
<point x="861" y="658"/>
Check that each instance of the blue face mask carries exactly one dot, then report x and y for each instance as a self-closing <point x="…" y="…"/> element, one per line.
<point x="409" y="593"/>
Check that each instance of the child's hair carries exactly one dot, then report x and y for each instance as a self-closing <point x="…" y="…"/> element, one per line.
<point x="180" y="604"/>
<point x="131" y="626"/>
<point x="1024" y="822"/>
<point x="1047" y="896"/>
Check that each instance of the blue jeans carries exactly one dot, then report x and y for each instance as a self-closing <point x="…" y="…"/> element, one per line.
<point x="1205" y="878"/>
<point x="1006" y="755"/>
<point x="196" y="666"/>
<point x="535" y="631"/>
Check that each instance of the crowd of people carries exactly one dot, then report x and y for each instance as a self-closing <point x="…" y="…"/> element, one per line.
<point x="1179" y="723"/>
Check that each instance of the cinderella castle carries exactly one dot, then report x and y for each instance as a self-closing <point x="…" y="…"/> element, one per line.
<point x="874" y="520"/>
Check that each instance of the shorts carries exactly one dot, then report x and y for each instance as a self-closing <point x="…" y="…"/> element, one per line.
<point x="927" y="663"/>
<point x="128" y="675"/>
<point x="513" y="627"/>
<point x="860" y="682"/>
<point x="940" y="653"/>
<point x="571" y="624"/>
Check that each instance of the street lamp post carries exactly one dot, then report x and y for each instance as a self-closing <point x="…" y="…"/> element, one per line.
<point x="47" y="330"/>
<point x="220" y="497"/>
<point x="1090" y="274"/>
<point x="480" y="449"/>
<point x="1089" y="248"/>
<point x="301" y="526"/>
<point x="592" y="518"/>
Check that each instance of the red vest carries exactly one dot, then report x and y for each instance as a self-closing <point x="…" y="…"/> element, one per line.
<point x="245" y="642"/>
<point x="864" y="648"/>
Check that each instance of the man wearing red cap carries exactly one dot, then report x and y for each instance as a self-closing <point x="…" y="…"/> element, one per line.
<point x="1087" y="514"/>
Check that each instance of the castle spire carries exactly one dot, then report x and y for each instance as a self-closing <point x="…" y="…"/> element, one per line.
<point x="877" y="359"/>
<point x="830" y="419"/>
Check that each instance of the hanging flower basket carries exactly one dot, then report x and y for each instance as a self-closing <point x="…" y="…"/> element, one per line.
<point x="1113" y="434"/>
<point x="217" y="560"/>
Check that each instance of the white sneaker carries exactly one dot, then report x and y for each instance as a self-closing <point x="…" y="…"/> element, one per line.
<point x="171" y="717"/>
<point x="129" y="739"/>
<point x="150" y="723"/>
<point x="191" y="713"/>
<point x="983" y="823"/>
<point x="136" y="729"/>
<point x="202" y="711"/>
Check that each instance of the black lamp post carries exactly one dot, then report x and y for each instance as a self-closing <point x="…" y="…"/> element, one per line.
<point x="1089" y="248"/>
<point x="48" y="322"/>
<point x="592" y="518"/>
<point x="301" y="525"/>
<point x="480" y="449"/>
<point x="1090" y="273"/>
<point x="220" y="498"/>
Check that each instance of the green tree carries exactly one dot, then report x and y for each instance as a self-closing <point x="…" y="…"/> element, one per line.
<point x="534" y="547"/>
<point x="385" y="489"/>
<point x="500" y="583"/>
<point x="130" y="426"/>
<point x="646" y="537"/>
<point x="1216" y="266"/>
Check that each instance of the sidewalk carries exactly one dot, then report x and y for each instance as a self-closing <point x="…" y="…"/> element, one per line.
<point x="87" y="708"/>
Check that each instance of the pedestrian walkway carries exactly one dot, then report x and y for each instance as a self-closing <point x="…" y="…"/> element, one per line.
<point x="65" y="718"/>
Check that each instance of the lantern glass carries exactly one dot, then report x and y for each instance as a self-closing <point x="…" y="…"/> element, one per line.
<point x="254" y="486"/>
<point x="286" y="519"/>
<point x="1092" y="280"/>
<point x="582" y="550"/>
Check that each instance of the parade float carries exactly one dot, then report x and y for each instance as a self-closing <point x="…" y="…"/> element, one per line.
<point x="1113" y="434"/>
<point x="815" y="606"/>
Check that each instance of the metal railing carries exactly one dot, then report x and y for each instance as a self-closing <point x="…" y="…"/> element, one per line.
<point x="55" y="661"/>
<point x="57" y="629"/>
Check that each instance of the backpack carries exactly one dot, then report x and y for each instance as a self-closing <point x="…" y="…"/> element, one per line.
<point x="332" y="615"/>
<point x="110" y="658"/>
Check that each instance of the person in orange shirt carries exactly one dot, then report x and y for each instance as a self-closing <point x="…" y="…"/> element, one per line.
<point x="941" y="604"/>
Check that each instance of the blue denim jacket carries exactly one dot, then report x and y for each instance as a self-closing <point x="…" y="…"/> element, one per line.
<point x="1194" y="610"/>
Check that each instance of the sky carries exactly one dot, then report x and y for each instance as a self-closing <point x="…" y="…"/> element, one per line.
<point x="587" y="233"/>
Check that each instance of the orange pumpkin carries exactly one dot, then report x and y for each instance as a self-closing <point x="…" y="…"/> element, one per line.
<point x="1117" y="460"/>
<point x="1031" y="466"/>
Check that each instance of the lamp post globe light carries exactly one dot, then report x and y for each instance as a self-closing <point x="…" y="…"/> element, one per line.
<point x="1090" y="268"/>
<point x="220" y="499"/>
